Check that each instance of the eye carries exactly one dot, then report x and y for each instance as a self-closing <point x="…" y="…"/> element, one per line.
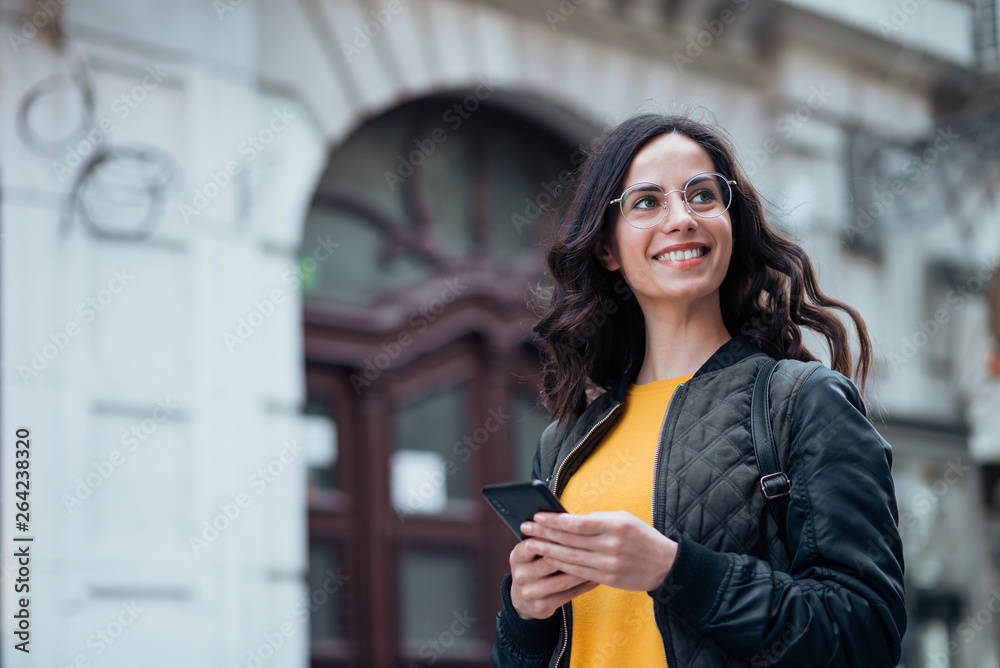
<point x="703" y="196"/>
<point x="646" y="202"/>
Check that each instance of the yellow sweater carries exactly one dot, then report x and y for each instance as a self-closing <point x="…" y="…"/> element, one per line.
<point x="614" y="627"/>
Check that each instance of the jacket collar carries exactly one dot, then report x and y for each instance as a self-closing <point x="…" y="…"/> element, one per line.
<point x="732" y="351"/>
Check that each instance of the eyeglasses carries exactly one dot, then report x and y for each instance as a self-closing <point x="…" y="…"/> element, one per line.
<point x="706" y="195"/>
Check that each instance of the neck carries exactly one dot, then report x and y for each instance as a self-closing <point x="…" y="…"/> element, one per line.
<point x="679" y="339"/>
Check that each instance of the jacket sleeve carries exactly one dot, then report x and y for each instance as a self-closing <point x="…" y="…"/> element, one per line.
<point x="527" y="643"/>
<point x="841" y="603"/>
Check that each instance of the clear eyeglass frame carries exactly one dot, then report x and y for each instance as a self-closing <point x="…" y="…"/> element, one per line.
<point x="666" y="201"/>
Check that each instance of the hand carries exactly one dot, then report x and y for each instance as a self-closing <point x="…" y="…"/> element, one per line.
<point x="613" y="548"/>
<point x="537" y="588"/>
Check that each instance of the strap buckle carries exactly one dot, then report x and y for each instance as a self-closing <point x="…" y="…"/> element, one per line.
<point x="782" y="490"/>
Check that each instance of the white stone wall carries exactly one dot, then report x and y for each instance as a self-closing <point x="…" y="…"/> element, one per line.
<point x="154" y="414"/>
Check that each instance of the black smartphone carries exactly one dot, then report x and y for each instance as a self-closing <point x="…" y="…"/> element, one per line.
<point x="517" y="502"/>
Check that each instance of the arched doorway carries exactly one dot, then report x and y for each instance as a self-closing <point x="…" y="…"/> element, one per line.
<point x="425" y="235"/>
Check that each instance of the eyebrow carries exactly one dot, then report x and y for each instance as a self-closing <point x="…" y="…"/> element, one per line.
<point x="652" y="185"/>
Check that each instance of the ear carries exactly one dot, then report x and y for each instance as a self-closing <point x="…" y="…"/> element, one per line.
<point x="605" y="256"/>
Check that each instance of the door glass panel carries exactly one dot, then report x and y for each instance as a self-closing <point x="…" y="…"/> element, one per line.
<point x="360" y="267"/>
<point x="437" y="603"/>
<point x="446" y="177"/>
<point x="526" y="189"/>
<point x="320" y="434"/>
<point x="361" y="163"/>
<point x="427" y="468"/>
<point x="324" y="600"/>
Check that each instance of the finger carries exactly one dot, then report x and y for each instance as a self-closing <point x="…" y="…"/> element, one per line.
<point x="554" y="535"/>
<point x="582" y="588"/>
<point x="522" y="554"/>
<point x="589" y="524"/>
<point x="531" y="568"/>
<point x="583" y="572"/>
<point x="568" y="595"/>
<point x="566" y="553"/>
<point x="534" y="570"/>
<point x="553" y="584"/>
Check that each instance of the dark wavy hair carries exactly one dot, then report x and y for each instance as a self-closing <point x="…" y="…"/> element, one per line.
<point x="591" y="329"/>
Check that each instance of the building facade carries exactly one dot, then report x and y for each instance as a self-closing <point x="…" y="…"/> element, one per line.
<point x="267" y="274"/>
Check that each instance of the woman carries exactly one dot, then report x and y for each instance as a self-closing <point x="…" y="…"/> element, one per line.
<point x="670" y="292"/>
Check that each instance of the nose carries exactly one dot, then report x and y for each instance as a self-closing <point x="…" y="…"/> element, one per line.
<point x="677" y="217"/>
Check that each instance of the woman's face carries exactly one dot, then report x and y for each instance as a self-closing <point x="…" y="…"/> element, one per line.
<point x="669" y="161"/>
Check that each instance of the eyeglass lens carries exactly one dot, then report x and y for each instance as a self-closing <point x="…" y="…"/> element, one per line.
<point x="707" y="195"/>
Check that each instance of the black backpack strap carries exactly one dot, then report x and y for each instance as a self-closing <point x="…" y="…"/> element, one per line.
<point x="774" y="483"/>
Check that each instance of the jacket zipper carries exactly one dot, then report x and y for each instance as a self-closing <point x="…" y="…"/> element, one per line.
<point x="555" y="490"/>
<point x="555" y="479"/>
<point x="562" y="650"/>
<point x="652" y="514"/>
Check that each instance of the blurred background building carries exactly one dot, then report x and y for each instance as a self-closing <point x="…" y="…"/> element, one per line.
<point x="265" y="274"/>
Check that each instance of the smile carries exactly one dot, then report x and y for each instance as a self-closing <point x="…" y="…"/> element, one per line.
<point x="675" y="256"/>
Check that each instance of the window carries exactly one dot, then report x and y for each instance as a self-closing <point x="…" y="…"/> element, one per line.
<point x="986" y="28"/>
<point x="407" y="196"/>
<point x="428" y="468"/>
<point x="438" y="613"/>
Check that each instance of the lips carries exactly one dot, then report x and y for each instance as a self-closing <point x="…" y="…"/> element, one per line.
<point x="682" y="252"/>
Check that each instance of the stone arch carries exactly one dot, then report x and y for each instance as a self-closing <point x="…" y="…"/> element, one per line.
<point x="346" y="76"/>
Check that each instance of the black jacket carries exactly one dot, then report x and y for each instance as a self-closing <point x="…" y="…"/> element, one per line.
<point x="736" y="595"/>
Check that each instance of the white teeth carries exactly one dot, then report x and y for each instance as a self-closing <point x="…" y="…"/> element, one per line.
<point x="682" y="255"/>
